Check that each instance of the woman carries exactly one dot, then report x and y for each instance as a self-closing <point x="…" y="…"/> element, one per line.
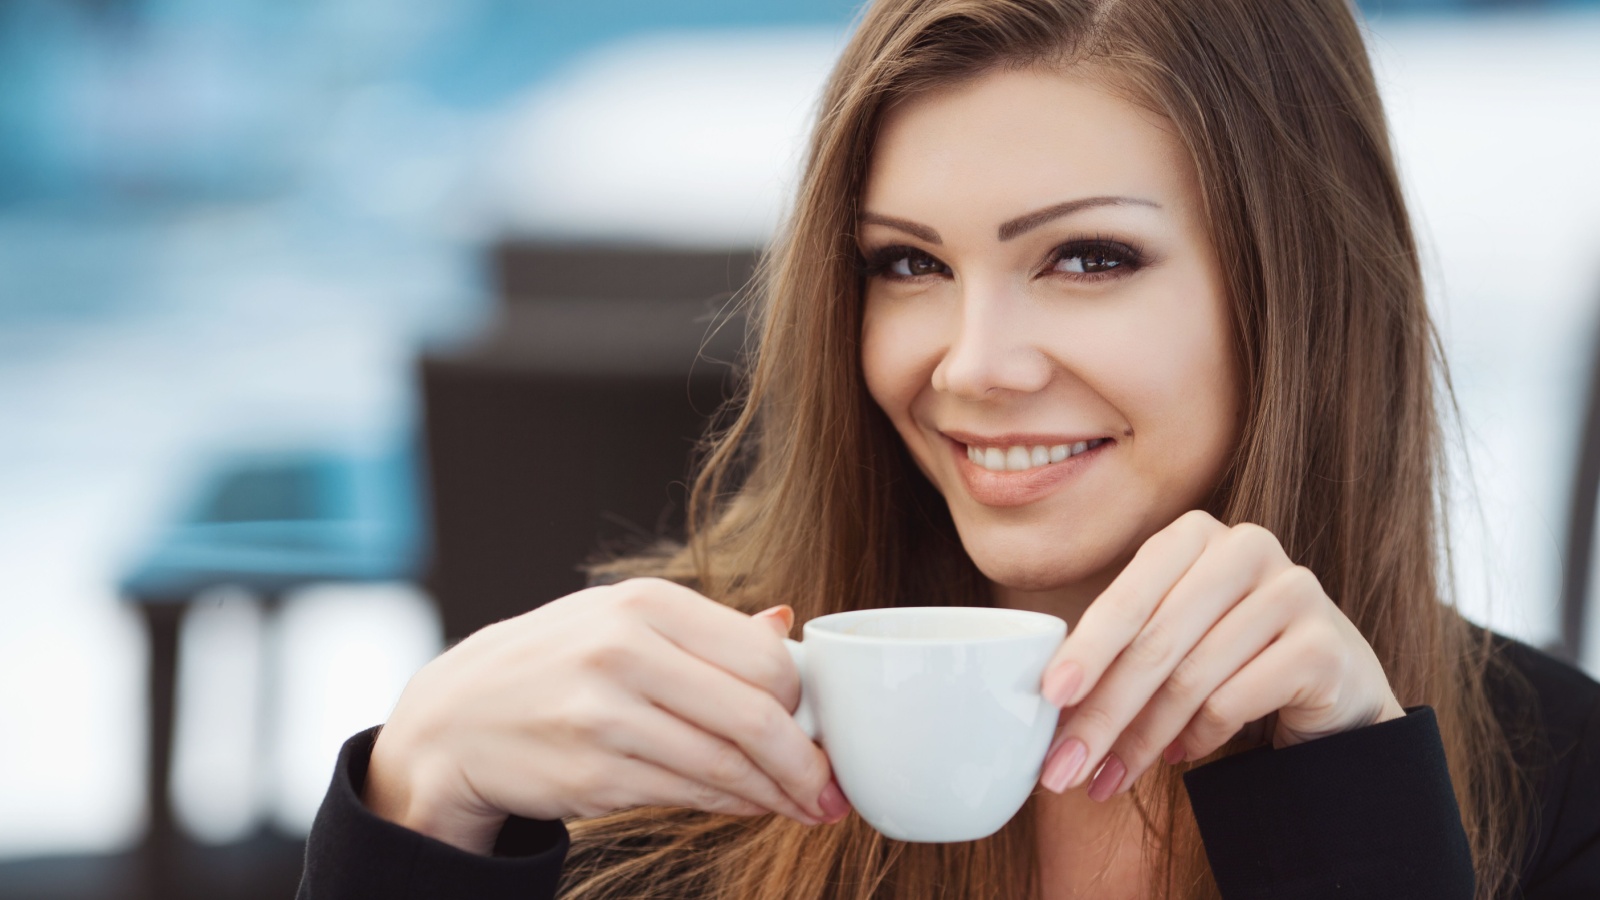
<point x="1105" y="309"/>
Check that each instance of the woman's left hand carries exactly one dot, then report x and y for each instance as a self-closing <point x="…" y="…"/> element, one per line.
<point x="1208" y="629"/>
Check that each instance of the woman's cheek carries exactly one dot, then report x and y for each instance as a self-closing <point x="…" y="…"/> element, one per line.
<point x="884" y="376"/>
<point x="1187" y="398"/>
<point x="898" y="355"/>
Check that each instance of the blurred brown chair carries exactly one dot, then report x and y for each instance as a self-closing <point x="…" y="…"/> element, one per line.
<point x="567" y="426"/>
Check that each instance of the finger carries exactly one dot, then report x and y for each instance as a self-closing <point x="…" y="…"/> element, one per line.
<point x="748" y="717"/>
<point x="648" y="784"/>
<point x="1115" y="617"/>
<point x="658" y="737"/>
<point x="1230" y="645"/>
<point x="718" y="634"/>
<point x="1276" y="678"/>
<point x="780" y="618"/>
<point x="1228" y="568"/>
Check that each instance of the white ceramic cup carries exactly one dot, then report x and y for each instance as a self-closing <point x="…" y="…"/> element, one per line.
<point x="931" y="716"/>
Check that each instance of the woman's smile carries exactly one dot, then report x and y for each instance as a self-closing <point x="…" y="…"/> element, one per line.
<point x="1016" y="469"/>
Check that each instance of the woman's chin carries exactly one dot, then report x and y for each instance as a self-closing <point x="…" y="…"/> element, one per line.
<point x="1033" y="574"/>
<point x="1053" y="556"/>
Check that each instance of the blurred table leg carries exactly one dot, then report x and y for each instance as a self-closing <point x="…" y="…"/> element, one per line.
<point x="161" y="847"/>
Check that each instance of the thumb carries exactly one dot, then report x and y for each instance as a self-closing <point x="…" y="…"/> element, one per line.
<point x="780" y="618"/>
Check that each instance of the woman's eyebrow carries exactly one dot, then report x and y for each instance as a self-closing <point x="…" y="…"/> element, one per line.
<point x="909" y="227"/>
<point x="1020" y="225"/>
<point x="1030" y="221"/>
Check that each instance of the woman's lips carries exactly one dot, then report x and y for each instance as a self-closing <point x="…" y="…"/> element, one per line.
<point x="1018" y="488"/>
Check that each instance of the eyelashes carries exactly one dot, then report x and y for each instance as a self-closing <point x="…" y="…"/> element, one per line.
<point x="887" y="262"/>
<point x="1083" y="259"/>
<point x="1100" y="256"/>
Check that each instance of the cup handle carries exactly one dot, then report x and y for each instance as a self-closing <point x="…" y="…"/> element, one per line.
<point x="804" y="716"/>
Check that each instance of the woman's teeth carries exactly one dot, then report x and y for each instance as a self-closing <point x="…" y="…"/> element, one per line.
<point x="1017" y="459"/>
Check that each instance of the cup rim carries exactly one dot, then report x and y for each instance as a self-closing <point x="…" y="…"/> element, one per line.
<point x="1040" y="624"/>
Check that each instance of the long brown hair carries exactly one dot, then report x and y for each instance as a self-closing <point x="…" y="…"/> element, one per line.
<point x="807" y="497"/>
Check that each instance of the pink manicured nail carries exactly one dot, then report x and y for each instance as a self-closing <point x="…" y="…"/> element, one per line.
<point x="782" y="612"/>
<point x="833" y="802"/>
<point x="1062" y="682"/>
<point x="1174" y="754"/>
<point x="1063" y="765"/>
<point x="1105" y="784"/>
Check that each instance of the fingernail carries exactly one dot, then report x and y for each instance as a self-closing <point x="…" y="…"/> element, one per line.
<point x="781" y="615"/>
<point x="1062" y="682"/>
<point x="1173" y="754"/>
<point x="1063" y="765"/>
<point x="833" y="803"/>
<point x="1105" y="784"/>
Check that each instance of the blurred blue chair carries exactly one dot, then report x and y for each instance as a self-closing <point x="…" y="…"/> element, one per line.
<point x="268" y="524"/>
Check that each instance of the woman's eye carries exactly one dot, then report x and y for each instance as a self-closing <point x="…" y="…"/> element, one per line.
<point x="1077" y="259"/>
<point x="1095" y="259"/>
<point x="901" y="263"/>
<point x="913" y="265"/>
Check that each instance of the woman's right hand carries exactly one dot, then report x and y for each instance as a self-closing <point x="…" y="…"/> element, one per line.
<point x="642" y="693"/>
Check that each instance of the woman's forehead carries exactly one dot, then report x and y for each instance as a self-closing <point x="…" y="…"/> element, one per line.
<point x="1013" y="140"/>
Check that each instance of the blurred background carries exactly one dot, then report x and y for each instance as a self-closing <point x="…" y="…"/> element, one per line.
<point x="332" y="331"/>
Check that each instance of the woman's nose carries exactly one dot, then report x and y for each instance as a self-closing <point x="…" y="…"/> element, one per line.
<point x="993" y="347"/>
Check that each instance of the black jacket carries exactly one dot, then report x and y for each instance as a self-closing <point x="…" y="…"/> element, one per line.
<point x="1364" y="814"/>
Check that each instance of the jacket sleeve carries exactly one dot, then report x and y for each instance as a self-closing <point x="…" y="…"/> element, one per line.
<point x="1367" y="813"/>
<point x="353" y="853"/>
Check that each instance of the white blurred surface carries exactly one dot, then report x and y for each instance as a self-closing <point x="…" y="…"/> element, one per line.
<point x="690" y="138"/>
<point x="344" y="653"/>
<point x="71" y="699"/>
<point x="216" y="749"/>
<point x="267" y="696"/>
<point x="1497" y="124"/>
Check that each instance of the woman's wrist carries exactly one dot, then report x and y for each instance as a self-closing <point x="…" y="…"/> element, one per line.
<point x="397" y="791"/>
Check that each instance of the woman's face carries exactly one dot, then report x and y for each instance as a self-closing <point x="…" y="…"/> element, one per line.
<point x="1045" y="322"/>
